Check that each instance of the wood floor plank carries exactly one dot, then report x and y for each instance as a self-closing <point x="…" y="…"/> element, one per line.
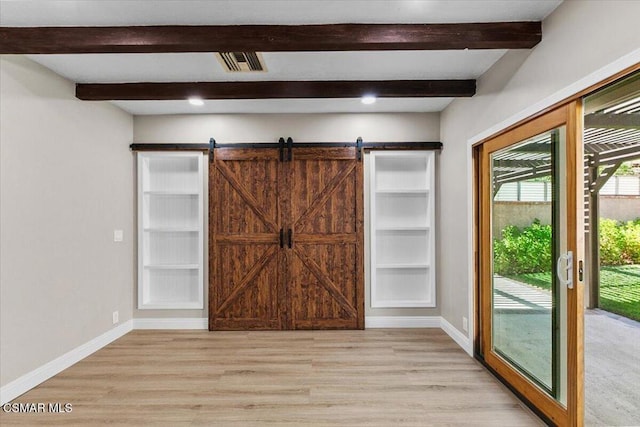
<point x="416" y="377"/>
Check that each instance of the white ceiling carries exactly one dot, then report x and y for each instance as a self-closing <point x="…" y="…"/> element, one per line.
<point x="184" y="67"/>
<point x="202" y="67"/>
<point x="216" y="12"/>
<point x="327" y="105"/>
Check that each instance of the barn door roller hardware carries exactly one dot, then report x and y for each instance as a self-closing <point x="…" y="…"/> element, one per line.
<point x="288" y="144"/>
<point x="281" y="148"/>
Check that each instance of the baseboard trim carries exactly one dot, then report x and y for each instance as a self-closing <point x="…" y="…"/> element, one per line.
<point x="372" y="322"/>
<point x="461" y="339"/>
<point x="171" y="323"/>
<point x="39" y="375"/>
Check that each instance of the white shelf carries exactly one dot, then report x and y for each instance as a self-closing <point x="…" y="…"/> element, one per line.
<point x="171" y="172"/>
<point x="171" y="248"/>
<point x="173" y="266"/>
<point x="403" y="266"/>
<point x="393" y="210"/>
<point x="170" y="231"/>
<point x="172" y="305"/>
<point x="401" y="170"/>
<point x="402" y="247"/>
<point x="176" y="210"/>
<point x="401" y="220"/>
<point x="411" y="303"/>
<point x="402" y="228"/>
<point x="402" y="191"/>
<point x="171" y="193"/>
<point x="401" y="287"/>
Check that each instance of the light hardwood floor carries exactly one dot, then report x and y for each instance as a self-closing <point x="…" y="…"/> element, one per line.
<point x="413" y="377"/>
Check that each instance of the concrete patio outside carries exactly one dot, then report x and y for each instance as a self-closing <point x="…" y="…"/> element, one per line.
<point x="612" y="350"/>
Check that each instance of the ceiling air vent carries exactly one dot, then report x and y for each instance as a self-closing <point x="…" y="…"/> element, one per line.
<point x="235" y="62"/>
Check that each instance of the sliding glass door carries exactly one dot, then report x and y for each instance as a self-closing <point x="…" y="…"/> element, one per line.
<point x="530" y="269"/>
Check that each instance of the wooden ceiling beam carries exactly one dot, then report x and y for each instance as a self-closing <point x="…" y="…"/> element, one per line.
<point x="269" y="38"/>
<point x="276" y="89"/>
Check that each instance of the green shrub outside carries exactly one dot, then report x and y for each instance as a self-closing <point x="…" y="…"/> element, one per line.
<point x="619" y="242"/>
<point x="632" y="237"/>
<point x="611" y="242"/>
<point x="528" y="249"/>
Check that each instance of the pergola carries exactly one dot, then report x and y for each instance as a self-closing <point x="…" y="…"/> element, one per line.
<point x="611" y="137"/>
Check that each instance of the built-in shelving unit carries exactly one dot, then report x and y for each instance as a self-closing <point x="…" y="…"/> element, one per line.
<point x="170" y="231"/>
<point x="402" y="232"/>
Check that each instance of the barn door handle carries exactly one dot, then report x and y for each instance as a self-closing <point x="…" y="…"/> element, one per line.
<point x="281" y="238"/>
<point x="290" y="238"/>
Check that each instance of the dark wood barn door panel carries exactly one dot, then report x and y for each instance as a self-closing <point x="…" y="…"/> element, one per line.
<point x="245" y="259"/>
<point x="326" y="268"/>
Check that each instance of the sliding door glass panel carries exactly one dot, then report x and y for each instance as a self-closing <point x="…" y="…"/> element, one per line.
<point x="527" y="233"/>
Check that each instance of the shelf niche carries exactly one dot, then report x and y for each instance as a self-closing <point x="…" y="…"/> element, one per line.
<point x="170" y="231"/>
<point x="402" y="229"/>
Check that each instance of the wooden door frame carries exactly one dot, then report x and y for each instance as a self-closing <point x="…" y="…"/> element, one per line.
<point x="569" y="115"/>
<point x="602" y="78"/>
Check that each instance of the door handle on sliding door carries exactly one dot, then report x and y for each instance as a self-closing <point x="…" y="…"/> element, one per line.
<point x="565" y="274"/>
<point x="290" y="238"/>
<point x="281" y="238"/>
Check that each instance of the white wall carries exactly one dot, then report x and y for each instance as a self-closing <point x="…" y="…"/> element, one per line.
<point x="66" y="179"/>
<point x="228" y="128"/>
<point x="578" y="39"/>
<point x="233" y="128"/>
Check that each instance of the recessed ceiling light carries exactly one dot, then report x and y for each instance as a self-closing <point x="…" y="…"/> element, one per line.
<point x="196" y="101"/>
<point x="368" y="99"/>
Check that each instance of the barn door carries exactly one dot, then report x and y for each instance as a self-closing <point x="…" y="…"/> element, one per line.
<point x="246" y="282"/>
<point x="324" y="239"/>
<point x="286" y="239"/>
